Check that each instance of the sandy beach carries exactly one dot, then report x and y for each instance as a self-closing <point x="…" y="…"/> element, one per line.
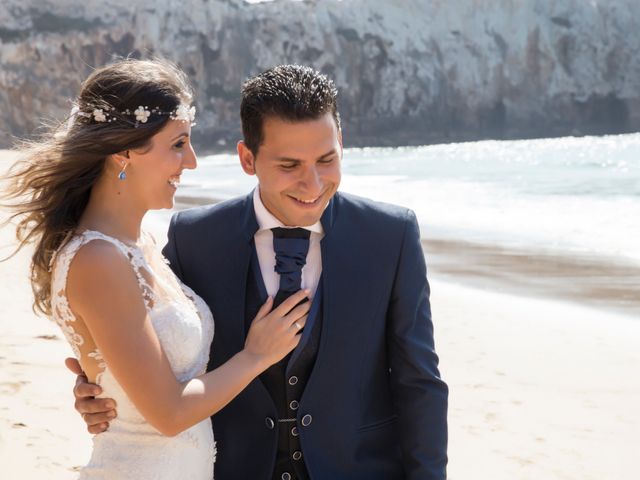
<point x="540" y="388"/>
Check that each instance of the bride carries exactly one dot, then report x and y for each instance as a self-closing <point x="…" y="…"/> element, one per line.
<point x="144" y="337"/>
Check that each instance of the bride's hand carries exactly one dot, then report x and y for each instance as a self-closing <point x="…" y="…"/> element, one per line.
<point x="274" y="334"/>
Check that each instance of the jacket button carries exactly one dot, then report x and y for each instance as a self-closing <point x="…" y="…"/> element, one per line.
<point x="269" y="423"/>
<point x="294" y="431"/>
<point x="293" y="380"/>
<point x="297" y="455"/>
<point x="294" y="405"/>
<point x="286" y="476"/>
<point x="306" y="420"/>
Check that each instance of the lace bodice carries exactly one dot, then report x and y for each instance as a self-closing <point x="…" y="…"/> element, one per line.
<point x="131" y="448"/>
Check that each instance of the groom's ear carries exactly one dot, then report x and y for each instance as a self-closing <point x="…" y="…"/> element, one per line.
<point x="247" y="159"/>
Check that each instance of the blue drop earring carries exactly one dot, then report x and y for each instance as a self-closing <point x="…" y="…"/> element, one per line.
<point x="122" y="175"/>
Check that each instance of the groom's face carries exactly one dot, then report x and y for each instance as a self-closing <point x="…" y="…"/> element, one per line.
<point x="298" y="167"/>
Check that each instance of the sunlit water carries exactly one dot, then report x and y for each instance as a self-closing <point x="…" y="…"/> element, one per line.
<point x="565" y="194"/>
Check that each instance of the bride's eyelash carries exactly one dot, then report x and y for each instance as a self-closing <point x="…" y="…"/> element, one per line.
<point x="180" y="144"/>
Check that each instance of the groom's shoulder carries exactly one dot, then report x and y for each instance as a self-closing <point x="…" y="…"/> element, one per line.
<point x="356" y="207"/>
<point x="378" y="227"/>
<point x="227" y="210"/>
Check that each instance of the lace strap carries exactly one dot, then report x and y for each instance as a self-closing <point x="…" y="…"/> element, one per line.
<point x="61" y="260"/>
<point x="76" y="332"/>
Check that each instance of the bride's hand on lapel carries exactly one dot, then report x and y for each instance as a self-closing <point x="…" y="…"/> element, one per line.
<point x="273" y="334"/>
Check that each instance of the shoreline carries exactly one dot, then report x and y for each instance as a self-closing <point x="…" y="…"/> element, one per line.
<point x="586" y="279"/>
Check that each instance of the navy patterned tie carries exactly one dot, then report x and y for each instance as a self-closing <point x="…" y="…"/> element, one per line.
<point x="291" y="246"/>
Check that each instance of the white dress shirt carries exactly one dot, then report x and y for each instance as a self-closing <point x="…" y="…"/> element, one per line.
<point x="267" y="256"/>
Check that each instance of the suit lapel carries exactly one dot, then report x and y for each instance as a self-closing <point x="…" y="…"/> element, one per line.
<point x="235" y="263"/>
<point x="335" y="281"/>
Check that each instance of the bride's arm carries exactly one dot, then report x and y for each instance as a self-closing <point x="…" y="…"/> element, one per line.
<point x="103" y="291"/>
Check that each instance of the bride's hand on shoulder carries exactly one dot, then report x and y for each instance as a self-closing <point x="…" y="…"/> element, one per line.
<point x="275" y="333"/>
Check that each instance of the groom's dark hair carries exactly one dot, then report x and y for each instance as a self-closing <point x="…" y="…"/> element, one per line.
<point x="290" y="92"/>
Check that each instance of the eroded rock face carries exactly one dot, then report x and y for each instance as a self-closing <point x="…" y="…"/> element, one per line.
<point x="409" y="71"/>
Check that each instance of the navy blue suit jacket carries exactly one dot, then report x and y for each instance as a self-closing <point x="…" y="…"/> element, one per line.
<point x="378" y="405"/>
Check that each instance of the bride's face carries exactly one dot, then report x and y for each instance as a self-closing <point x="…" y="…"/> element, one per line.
<point x="154" y="172"/>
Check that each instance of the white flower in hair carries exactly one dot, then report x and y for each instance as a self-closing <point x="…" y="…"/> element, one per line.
<point x="184" y="113"/>
<point x="98" y="115"/>
<point x="72" y="116"/>
<point x="142" y="114"/>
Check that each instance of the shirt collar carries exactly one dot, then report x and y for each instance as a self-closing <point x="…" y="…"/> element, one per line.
<point x="266" y="220"/>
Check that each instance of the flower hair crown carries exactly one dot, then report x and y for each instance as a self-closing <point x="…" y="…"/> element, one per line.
<point x="106" y="114"/>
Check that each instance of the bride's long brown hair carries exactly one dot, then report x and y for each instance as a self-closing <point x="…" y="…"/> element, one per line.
<point x="48" y="188"/>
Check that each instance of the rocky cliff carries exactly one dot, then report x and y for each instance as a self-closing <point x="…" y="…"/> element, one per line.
<point x="409" y="71"/>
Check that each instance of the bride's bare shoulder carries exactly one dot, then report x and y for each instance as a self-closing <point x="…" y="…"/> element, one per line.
<point x="99" y="273"/>
<point x="97" y="255"/>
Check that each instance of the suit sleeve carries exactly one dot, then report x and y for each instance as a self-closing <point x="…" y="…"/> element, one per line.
<point x="170" y="250"/>
<point x="420" y="395"/>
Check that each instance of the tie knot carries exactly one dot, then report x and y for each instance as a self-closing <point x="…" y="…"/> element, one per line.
<point x="280" y="232"/>
<point x="291" y="246"/>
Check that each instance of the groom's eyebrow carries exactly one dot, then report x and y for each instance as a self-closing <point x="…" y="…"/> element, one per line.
<point x="328" y="154"/>
<point x="291" y="159"/>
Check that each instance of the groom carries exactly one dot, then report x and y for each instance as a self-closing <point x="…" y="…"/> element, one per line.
<point x="361" y="396"/>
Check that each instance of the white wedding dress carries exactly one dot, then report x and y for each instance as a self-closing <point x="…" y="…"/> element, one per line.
<point x="131" y="447"/>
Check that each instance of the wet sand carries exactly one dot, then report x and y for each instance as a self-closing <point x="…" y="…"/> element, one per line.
<point x="588" y="280"/>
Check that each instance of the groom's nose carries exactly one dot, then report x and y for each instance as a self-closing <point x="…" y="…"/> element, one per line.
<point x="311" y="180"/>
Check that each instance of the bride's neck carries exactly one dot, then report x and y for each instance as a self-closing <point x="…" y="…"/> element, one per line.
<point x="113" y="210"/>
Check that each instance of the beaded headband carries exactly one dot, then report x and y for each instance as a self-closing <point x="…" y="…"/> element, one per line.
<point x="106" y="114"/>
